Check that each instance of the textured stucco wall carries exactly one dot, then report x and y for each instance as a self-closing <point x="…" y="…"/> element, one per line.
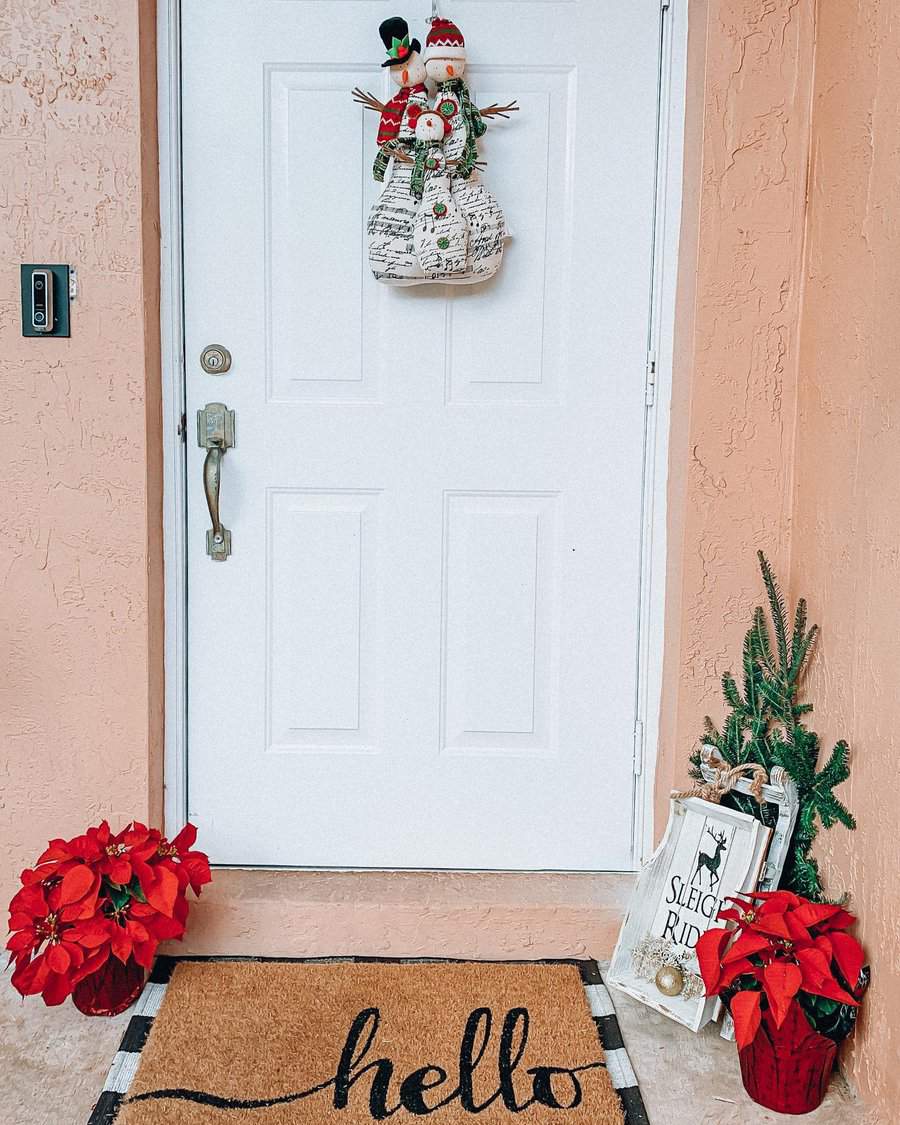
<point x="734" y="395"/>
<point x="80" y="620"/>
<point x="846" y="541"/>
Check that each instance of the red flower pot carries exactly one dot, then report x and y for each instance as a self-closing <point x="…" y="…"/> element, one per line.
<point x="788" y="1068"/>
<point x="111" y="989"/>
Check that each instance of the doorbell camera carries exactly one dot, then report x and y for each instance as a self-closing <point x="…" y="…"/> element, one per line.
<point x="46" y="293"/>
<point x="42" y="301"/>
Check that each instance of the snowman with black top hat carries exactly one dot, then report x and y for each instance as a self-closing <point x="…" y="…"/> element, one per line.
<point x="392" y="255"/>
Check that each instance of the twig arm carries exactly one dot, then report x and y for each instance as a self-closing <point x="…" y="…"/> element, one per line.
<point x="363" y="98"/>
<point x="500" y="110"/>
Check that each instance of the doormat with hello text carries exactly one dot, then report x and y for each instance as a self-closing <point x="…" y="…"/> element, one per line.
<point x="225" y="1041"/>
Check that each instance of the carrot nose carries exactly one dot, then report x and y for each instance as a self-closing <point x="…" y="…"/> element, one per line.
<point x="450" y="70"/>
<point x="404" y="76"/>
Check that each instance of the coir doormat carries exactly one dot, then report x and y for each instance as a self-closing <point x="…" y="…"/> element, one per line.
<point x="218" y="1041"/>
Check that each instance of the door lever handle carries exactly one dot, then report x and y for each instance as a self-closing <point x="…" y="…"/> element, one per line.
<point x="215" y="434"/>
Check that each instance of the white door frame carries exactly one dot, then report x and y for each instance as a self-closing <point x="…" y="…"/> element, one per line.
<point x="672" y="78"/>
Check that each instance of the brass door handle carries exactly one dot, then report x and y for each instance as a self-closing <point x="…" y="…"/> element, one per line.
<point x="215" y="434"/>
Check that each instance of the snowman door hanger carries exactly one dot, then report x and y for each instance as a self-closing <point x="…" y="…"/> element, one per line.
<point x="435" y="221"/>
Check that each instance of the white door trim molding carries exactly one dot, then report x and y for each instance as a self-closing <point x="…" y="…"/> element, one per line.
<point x="673" y="63"/>
<point x="670" y="171"/>
<point x="174" y="480"/>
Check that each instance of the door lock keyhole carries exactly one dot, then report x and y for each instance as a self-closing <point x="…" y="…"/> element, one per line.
<point x="215" y="359"/>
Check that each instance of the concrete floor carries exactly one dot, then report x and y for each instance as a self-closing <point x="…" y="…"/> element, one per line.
<point x="53" y="1061"/>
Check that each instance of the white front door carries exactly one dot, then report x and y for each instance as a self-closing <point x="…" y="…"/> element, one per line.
<point x="422" y="651"/>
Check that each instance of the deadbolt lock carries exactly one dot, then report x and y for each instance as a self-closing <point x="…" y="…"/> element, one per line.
<point x="215" y="359"/>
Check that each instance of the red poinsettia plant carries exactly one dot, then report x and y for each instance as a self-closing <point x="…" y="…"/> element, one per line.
<point x="783" y="952"/>
<point x="100" y="896"/>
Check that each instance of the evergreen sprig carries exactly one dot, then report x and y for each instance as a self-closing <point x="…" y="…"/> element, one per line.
<point x="765" y="725"/>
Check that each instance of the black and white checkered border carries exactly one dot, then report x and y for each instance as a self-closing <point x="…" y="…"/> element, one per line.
<point x="125" y="1064"/>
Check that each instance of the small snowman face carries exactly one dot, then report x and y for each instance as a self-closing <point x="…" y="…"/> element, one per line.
<point x="430" y="127"/>
<point x="410" y="73"/>
<point x="441" y="69"/>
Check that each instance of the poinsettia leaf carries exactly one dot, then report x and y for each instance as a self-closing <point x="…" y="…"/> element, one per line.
<point x="842" y="920"/>
<point x="58" y="959"/>
<point x="118" y="895"/>
<point x="814" y="913"/>
<point x="75" y="884"/>
<point x="736" y="969"/>
<point x="849" y="956"/>
<point x="776" y="902"/>
<point x="57" y="988"/>
<point x="747" y="1015"/>
<point x="135" y="888"/>
<point x="24" y="939"/>
<point x="185" y="839"/>
<point x="814" y="965"/>
<point x="746" y="944"/>
<point x="120" y="871"/>
<point x="164" y="890"/>
<point x="781" y="980"/>
<point x="121" y="944"/>
<point x="798" y="933"/>
<point x="829" y="987"/>
<point x="709" y="950"/>
<point x="775" y="925"/>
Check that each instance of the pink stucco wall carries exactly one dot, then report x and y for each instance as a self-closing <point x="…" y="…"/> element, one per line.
<point x="846" y="541"/>
<point x="731" y="442"/>
<point x="785" y="413"/>
<point x="80" y="611"/>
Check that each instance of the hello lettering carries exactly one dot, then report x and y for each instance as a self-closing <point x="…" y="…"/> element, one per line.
<point x="424" y="1090"/>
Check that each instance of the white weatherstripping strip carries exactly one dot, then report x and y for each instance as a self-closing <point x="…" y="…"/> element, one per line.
<point x="599" y="1000"/>
<point x="121" y="1073"/>
<point x="619" y="1067"/>
<point x="149" y="1000"/>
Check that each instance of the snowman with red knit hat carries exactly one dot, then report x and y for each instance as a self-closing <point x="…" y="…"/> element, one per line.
<point x="445" y="65"/>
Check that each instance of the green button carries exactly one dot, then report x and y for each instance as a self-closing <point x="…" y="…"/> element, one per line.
<point x="440" y="208"/>
<point x="443" y="243"/>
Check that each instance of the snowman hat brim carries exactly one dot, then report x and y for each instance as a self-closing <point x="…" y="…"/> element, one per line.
<point x="415" y="48"/>
<point x="444" y="51"/>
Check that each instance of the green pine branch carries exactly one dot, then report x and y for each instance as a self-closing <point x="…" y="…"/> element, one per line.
<point x="764" y="724"/>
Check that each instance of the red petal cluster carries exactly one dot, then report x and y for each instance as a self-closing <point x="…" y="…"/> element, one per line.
<point x="100" y="895"/>
<point x="780" y="945"/>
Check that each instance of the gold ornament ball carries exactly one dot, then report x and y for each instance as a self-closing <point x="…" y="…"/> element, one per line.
<point x="670" y="981"/>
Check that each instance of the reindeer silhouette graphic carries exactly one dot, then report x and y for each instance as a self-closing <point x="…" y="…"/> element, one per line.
<point x="711" y="862"/>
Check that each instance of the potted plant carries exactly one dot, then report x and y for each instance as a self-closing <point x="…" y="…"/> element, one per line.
<point x="792" y="978"/>
<point x="766" y="725"/>
<point x="92" y="911"/>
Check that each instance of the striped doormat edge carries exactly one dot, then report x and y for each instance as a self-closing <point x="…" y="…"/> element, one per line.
<point x="125" y="1064"/>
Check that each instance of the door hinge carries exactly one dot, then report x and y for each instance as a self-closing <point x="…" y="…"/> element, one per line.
<point x="650" y="380"/>
<point x="182" y="428"/>
<point x="638" y="747"/>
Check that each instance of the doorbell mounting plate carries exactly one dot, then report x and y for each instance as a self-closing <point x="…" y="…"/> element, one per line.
<point x="45" y="300"/>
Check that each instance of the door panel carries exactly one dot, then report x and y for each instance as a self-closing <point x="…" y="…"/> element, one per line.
<point x="422" y="651"/>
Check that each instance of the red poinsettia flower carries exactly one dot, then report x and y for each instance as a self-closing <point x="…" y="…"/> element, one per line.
<point x="43" y="947"/>
<point x="193" y="867"/>
<point x="781" y="945"/>
<point x="98" y="896"/>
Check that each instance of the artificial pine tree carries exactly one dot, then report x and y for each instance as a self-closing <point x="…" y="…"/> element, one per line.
<point x="765" y="725"/>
